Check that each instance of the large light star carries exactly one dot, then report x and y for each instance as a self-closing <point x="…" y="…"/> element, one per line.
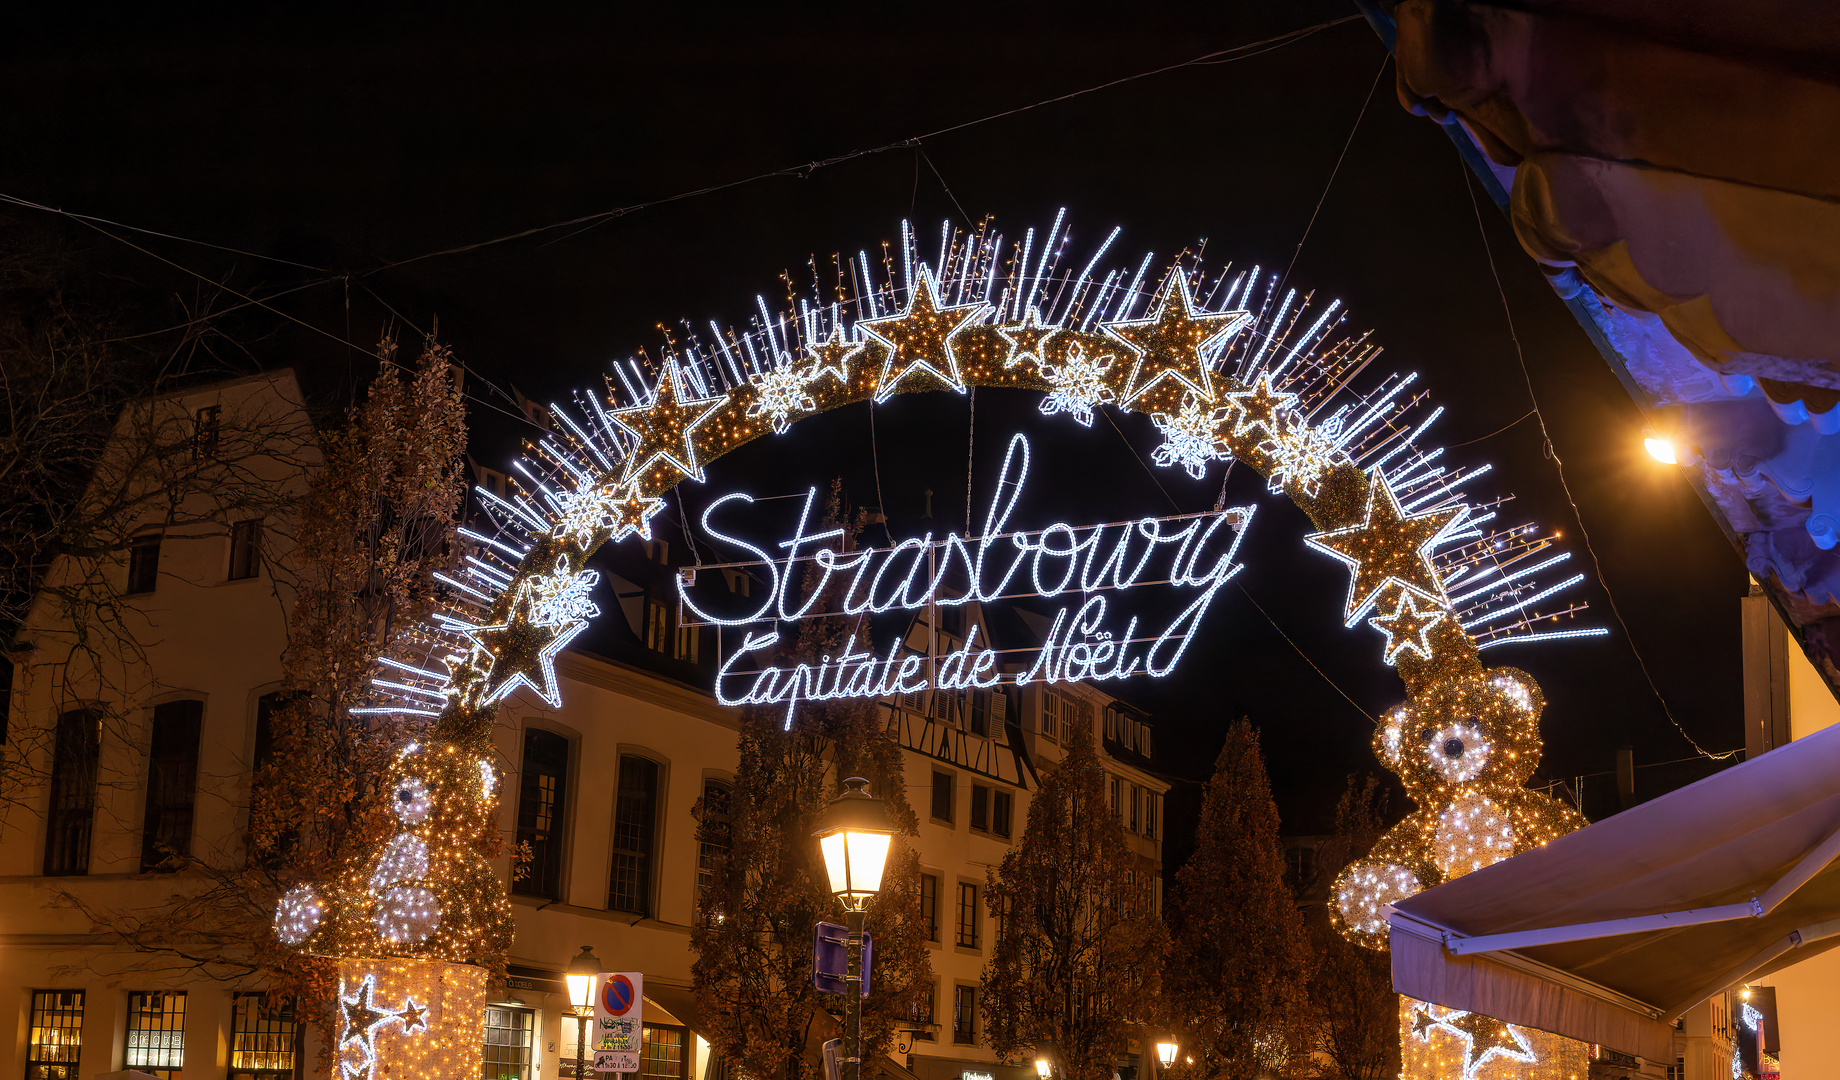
<point x="1173" y="343"/>
<point x="1483" y="1037"/>
<point x="920" y="338"/>
<point x="663" y="427"/>
<point x="547" y="613"/>
<point x="1389" y="547"/>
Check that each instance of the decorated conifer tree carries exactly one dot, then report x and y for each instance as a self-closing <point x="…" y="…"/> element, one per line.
<point x="1236" y="1001"/>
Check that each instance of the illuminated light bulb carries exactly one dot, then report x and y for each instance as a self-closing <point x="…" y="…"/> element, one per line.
<point x="1661" y="450"/>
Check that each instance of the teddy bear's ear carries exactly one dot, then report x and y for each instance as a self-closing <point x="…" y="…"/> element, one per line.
<point x="1517" y="689"/>
<point x="1392" y="732"/>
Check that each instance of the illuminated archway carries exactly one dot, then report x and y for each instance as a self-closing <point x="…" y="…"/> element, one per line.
<point x="1227" y="365"/>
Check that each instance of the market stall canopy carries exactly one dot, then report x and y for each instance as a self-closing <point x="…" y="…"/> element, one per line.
<point x="1610" y="933"/>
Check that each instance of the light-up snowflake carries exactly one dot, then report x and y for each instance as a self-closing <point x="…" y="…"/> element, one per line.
<point x="1189" y="438"/>
<point x="1079" y="385"/>
<point x="561" y="596"/>
<point x="1302" y="454"/>
<point x="581" y="513"/>
<point x="780" y="395"/>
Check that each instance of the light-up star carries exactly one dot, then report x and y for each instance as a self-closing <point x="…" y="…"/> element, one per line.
<point x="663" y="427"/>
<point x="1484" y="1037"/>
<point x="1260" y="406"/>
<point x="920" y="338"/>
<point x="361" y="1017"/>
<point x="1389" y="547"/>
<point x="780" y="395"/>
<point x="832" y="356"/>
<point x="1406" y="627"/>
<point x="413" y="1016"/>
<point x="1079" y="385"/>
<point x="632" y="512"/>
<point x="548" y="612"/>
<point x="1027" y="338"/>
<point x="1173" y="343"/>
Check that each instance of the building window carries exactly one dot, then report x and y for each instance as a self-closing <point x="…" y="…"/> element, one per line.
<point x="967" y="914"/>
<point x="1150" y="815"/>
<point x="245" y="549"/>
<point x="686" y="642"/>
<point x="73" y="792"/>
<point x="507" y="1048"/>
<point x="1070" y="714"/>
<point x="172" y="784"/>
<point x="921" y="1015"/>
<point x="1111" y="722"/>
<point x="980" y="807"/>
<point x="56" y="1047"/>
<point x="635" y="824"/>
<point x="144" y="562"/>
<point x="980" y="713"/>
<point x="207" y="424"/>
<point x="929" y="905"/>
<point x="661" y="1054"/>
<point x="1050" y="714"/>
<point x="942" y="796"/>
<point x="657" y="626"/>
<point x="964" y="1014"/>
<point x="542" y="805"/>
<point x="262" y="1038"/>
<point x="1137" y="796"/>
<point x="713" y="838"/>
<point x="156" y="1033"/>
<point x="999" y="812"/>
<point x="1143" y="739"/>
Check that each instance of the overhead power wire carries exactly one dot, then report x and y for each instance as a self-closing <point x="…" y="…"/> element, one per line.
<point x="1559" y="469"/>
<point x="1385" y="58"/>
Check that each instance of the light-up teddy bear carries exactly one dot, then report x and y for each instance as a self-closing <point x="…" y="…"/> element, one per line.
<point x="426" y="892"/>
<point x="1465" y="746"/>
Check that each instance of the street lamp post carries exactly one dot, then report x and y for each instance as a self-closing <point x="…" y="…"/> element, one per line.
<point x="854" y="836"/>
<point x="582" y="973"/>
<point x="1166" y="1053"/>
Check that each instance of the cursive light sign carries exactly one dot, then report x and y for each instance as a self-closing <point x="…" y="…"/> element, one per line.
<point x="1192" y="553"/>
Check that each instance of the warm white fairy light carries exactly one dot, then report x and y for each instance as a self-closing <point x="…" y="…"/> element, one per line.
<point x="1361" y="897"/>
<point x="298" y="915"/>
<point x="1472" y="833"/>
<point x="1459" y="751"/>
<point x="407" y="914"/>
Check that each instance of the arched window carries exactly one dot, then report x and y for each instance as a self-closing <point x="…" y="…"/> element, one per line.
<point x="635" y="836"/>
<point x="73" y="792"/>
<point x="542" y="805"/>
<point x="172" y="785"/>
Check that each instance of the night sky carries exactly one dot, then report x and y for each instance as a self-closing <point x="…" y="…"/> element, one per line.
<point x="347" y="138"/>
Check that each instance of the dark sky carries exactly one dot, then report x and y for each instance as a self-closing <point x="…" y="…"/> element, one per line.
<point x="350" y="137"/>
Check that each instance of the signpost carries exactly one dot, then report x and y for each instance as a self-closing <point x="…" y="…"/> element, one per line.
<point x="619" y="1022"/>
<point x="830" y="959"/>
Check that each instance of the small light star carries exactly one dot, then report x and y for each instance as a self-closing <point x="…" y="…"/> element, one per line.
<point x="632" y="513"/>
<point x="1260" y="406"/>
<point x="1406" y="627"/>
<point x="920" y="338"/>
<point x="832" y="356"/>
<point x="1027" y="338"/>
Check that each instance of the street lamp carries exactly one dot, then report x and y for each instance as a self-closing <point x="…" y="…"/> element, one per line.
<point x="1166" y="1053"/>
<point x="1043" y="1068"/>
<point x="854" y="835"/>
<point x="582" y="973"/>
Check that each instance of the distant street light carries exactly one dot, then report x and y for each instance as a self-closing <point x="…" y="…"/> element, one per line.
<point x="1661" y="449"/>
<point x="583" y="972"/>
<point x="854" y="836"/>
<point x="1042" y="1068"/>
<point x="1166" y="1053"/>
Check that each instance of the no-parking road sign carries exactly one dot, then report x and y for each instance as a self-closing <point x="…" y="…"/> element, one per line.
<point x="619" y="1021"/>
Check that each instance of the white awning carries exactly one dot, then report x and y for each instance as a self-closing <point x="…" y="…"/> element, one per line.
<point x="1610" y="933"/>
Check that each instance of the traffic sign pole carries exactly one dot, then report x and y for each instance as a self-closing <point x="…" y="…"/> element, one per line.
<point x="852" y="998"/>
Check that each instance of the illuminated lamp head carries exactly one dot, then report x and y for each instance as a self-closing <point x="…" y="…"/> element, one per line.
<point x="1469" y="727"/>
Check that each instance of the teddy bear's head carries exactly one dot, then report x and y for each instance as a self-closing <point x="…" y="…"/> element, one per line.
<point x="440" y="788"/>
<point x="1467" y="728"/>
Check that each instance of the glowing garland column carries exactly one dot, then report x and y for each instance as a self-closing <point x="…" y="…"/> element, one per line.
<point x="410" y="1019"/>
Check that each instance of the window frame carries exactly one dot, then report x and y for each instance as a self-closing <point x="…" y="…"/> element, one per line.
<point x="245" y="550"/>
<point x="1150" y="801"/>
<point x="79" y="792"/>
<point x="979" y="818"/>
<point x="552" y="884"/>
<point x="170" y="811"/>
<point x="963" y="927"/>
<point x="144" y="562"/>
<point x="646" y="900"/>
<point x="281" y="1022"/>
<point x="950" y="788"/>
<point x="964" y="1014"/>
<point x="527" y="1066"/>
<point x="44" y="1009"/>
<point x="172" y="1024"/>
<point x="929" y="906"/>
<point x="1002" y="812"/>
